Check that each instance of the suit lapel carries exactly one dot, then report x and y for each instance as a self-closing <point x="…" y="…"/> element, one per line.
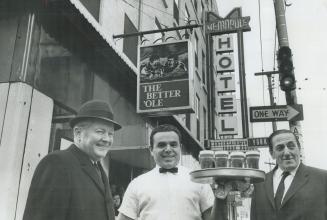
<point x="270" y="188"/>
<point x="300" y="179"/>
<point x="91" y="172"/>
<point x="106" y="185"/>
<point x="87" y="167"/>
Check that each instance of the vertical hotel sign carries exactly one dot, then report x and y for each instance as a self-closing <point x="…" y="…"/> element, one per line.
<point x="216" y="25"/>
<point x="164" y="82"/>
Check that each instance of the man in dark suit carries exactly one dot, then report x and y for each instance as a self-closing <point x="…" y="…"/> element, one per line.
<point x="71" y="184"/>
<point x="292" y="191"/>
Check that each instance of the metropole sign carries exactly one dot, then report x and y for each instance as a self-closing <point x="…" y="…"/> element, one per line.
<point x="276" y="113"/>
<point x="228" y="25"/>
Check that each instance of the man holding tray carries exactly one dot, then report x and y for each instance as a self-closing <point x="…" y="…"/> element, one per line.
<point x="166" y="192"/>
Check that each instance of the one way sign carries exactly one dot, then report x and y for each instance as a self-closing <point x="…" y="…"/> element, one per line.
<point x="276" y="113"/>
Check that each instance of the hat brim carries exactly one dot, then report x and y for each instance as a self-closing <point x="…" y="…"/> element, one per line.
<point x="75" y="120"/>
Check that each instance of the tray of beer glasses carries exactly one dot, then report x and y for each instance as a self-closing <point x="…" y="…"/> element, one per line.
<point x="221" y="166"/>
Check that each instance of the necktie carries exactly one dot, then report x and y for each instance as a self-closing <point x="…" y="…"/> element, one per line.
<point x="280" y="190"/>
<point x="108" y="195"/>
<point x="171" y="170"/>
<point x="97" y="168"/>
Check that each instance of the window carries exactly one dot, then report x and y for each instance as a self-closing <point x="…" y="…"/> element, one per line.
<point x="186" y="15"/>
<point x="56" y="63"/>
<point x="197" y="75"/>
<point x="164" y="3"/>
<point x="197" y="114"/>
<point x="202" y="12"/>
<point x="197" y="106"/>
<point x="205" y="123"/>
<point x="188" y="121"/>
<point x="130" y="43"/>
<point x="176" y="11"/>
<point x="93" y="6"/>
<point x="8" y="44"/>
<point x="177" y="32"/>
<point x="204" y="78"/>
<point x="196" y="49"/>
<point x="158" y="37"/>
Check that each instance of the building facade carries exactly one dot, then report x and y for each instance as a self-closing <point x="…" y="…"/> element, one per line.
<point x="57" y="54"/>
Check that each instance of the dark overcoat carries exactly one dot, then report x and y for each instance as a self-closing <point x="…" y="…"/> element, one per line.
<point x="306" y="199"/>
<point x="66" y="186"/>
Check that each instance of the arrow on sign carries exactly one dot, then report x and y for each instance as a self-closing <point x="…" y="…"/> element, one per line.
<point x="292" y="112"/>
<point x="276" y="113"/>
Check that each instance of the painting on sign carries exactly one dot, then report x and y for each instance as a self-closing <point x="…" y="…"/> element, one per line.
<point x="164" y="62"/>
<point x="164" y="79"/>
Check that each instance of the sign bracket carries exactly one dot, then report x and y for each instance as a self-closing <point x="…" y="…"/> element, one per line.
<point x="141" y="33"/>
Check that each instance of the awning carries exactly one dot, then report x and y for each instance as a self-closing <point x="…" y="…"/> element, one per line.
<point x="89" y="28"/>
<point x="80" y="7"/>
<point x="136" y="156"/>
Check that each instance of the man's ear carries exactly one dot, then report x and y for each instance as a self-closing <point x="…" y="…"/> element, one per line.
<point x="77" y="131"/>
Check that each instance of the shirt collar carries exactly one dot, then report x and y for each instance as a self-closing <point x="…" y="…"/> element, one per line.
<point x="279" y="171"/>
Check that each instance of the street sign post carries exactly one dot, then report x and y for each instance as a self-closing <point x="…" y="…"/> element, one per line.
<point x="276" y="113"/>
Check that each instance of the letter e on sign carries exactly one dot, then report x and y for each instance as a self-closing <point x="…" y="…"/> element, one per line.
<point x="226" y="104"/>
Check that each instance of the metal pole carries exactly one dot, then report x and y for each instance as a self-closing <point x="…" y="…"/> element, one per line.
<point x="274" y="126"/>
<point x="244" y="105"/>
<point x="157" y="31"/>
<point x="268" y="74"/>
<point x="211" y="88"/>
<point x="290" y="96"/>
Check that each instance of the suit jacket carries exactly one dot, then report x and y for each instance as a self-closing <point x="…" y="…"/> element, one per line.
<point x="66" y="186"/>
<point x="306" y="199"/>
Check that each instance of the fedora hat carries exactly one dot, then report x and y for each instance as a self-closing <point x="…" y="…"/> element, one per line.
<point x="95" y="109"/>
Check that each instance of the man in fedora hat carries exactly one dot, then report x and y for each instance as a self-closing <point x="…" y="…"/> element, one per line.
<point x="71" y="184"/>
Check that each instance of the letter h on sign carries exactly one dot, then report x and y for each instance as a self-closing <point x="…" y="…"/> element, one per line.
<point x="224" y="54"/>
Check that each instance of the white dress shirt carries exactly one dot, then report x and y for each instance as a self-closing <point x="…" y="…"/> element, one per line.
<point x="278" y="174"/>
<point x="166" y="196"/>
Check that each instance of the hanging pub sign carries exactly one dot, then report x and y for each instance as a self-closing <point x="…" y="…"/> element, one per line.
<point x="164" y="82"/>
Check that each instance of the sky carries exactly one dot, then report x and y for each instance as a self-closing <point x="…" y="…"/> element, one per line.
<point x="307" y="34"/>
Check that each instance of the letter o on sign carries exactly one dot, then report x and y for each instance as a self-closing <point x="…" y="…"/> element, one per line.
<point x="225" y="62"/>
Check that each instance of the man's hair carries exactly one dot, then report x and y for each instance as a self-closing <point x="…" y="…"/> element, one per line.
<point x="85" y="123"/>
<point x="154" y="57"/>
<point x="164" y="128"/>
<point x="282" y="131"/>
